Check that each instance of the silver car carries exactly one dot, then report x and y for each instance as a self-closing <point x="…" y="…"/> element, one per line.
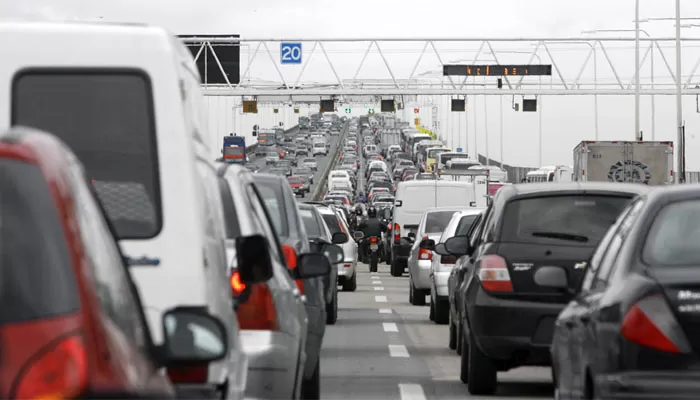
<point x="309" y="163"/>
<point x="432" y="224"/>
<point x="272" y="157"/>
<point x="334" y="218"/>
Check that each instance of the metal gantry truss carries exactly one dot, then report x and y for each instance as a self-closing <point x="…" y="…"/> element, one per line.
<point x="343" y="68"/>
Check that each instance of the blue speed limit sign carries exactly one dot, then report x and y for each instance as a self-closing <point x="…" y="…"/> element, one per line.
<point x="290" y="53"/>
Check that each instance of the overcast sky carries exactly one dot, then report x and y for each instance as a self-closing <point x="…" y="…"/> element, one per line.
<point x="565" y="120"/>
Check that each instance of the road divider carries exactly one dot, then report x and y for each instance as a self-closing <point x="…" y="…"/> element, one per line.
<point x="332" y="161"/>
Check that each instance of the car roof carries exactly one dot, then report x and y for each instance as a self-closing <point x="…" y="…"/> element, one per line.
<point x="525" y="189"/>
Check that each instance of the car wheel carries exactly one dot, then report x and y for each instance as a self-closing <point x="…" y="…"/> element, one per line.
<point x="332" y="310"/>
<point x="396" y="270"/>
<point x="311" y="388"/>
<point x="431" y="314"/>
<point x="415" y="296"/>
<point x="442" y="312"/>
<point x="350" y="285"/>
<point x="452" y="343"/>
<point x="482" y="372"/>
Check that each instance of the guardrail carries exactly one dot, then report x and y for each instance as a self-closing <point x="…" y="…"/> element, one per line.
<point x="333" y="160"/>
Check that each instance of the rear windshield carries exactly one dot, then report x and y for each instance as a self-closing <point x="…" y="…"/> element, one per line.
<point x="295" y="180"/>
<point x="464" y="224"/>
<point x="313" y="230"/>
<point x="233" y="151"/>
<point x="274" y="202"/>
<point x="37" y="275"/>
<point x="107" y="120"/>
<point x="309" y="160"/>
<point x="230" y="218"/>
<point x="561" y="219"/>
<point x="673" y="238"/>
<point x="436" y="222"/>
<point x="332" y="222"/>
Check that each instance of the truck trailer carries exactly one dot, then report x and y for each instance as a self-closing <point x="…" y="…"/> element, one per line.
<point x="649" y="163"/>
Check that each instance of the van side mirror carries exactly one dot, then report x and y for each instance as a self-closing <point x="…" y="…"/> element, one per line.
<point x="458" y="246"/>
<point x="312" y="265"/>
<point x="552" y="277"/>
<point x="192" y="336"/>
<point x="427" y="244"/>
<point x="253" y="259"/>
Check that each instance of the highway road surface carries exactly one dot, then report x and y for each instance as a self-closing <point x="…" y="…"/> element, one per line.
<point x="384" y="348"/>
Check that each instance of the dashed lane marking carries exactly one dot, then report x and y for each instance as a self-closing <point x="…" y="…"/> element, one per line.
<point x="411" y="391"/>
<point x="380" y="299"/>
<point x="385" y="310"/>
<point x="378" y="288"/>
<point x="390" y="327"/>
<point x="398" y="351"/>
<point x="376" y="282"/>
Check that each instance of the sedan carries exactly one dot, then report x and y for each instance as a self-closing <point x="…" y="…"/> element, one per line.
<point x="305" y="173"/>
<point x="272" y="157"/>
<point x="309" y="163"/>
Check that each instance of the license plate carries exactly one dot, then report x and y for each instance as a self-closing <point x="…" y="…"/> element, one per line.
<point x="373" y="246"/>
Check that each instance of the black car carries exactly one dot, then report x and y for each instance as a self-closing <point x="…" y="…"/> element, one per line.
<point x="286" y="165"/>
<point x="507" y="319"/>
<point x="633" y="330"/>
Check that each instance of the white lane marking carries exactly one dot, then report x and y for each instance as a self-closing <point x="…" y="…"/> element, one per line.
<point x="378" y="288"/>
<point x="411" y="391"/>
<point x="376" y="282"/>
<point x="398" y="350"/>
<point x="390" y="327"/>
<point x="380" y="299"/>
<point x="385" y="310"/>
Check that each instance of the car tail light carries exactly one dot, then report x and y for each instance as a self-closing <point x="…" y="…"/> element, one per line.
<point x="425" y="254"/>
<point x="373" y="239"/>
<point x="189" y="374"/>
<point x="58" y="371"/>
<point x="493" y="273"/>
<point x="290" y="255"/>
<point x="448" y="259"/>
<point x="650" y="323"/>
<point x="258" y="312"/>
<point x="237" y="287"/>
<point x="397" y="233"/>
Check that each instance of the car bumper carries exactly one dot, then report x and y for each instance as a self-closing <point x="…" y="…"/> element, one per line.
<point x="420" y="274"/>
<point x="271" y="365"/>
<point x="650" y="385"/>
<point x="347" y="269"/>
<point x="506" y="328"/>
<point x="440" y="283"/>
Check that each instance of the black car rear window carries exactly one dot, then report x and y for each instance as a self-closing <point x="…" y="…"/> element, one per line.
<point x="673" y="238"/>
<point x="580" y="219"/>
<point x="37" y="275"/>
<point x="464" y="224"/>
<point x="233" y="230"/>
<point x="106" y="118"/>
<point x="332" y="222"/>
<point x="436" y="222"/>
<point x="313" y="230"/>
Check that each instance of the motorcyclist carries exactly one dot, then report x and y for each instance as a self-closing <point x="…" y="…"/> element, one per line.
<point x="370" y="226"/>
<point x="361" y="198"/>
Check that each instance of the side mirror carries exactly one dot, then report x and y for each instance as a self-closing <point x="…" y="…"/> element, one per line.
<point x="312" y="265"/>
<point x="192" y="336"/>
<point x="427" y="244"/>
<point x="253" y="257"/>
<point x="339" y="238"/>
<point x="441" y="250"/>
<point x="458" y="246"/>
<point x="358" y="235"/>
<point x="334" y="253"/>
<point x="552" y="277"/>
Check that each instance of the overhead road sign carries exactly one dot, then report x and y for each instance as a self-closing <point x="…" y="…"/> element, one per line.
<point x="497" y="70"/>
<point x="217" y="57"/>
<point x="290" y="53"/>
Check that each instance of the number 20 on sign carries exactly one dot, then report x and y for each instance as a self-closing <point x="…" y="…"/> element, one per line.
<point x="290" y="53"/>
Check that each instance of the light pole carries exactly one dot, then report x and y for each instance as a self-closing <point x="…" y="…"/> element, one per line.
<point x="653" y="85"/>
<point x="679" y="99"/>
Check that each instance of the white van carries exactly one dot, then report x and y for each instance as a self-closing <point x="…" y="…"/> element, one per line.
<point x="412" y="199"/>
<point x="126" y="99"/>
<point x="319" y="147"/>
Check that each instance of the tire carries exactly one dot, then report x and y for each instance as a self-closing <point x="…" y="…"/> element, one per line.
<point x="396" y="270"/>
<point x="463" y="358"/>
<point x="460" y="342"/>
<point x="431" y="314"/>
<point x="332" y="310"/>
<point x="311" y="388"/>
<point x="483" y="375"/>
<point x="350" y="285"/>
<point x="374" y="262"/>
<point x="415" y="296"/>
<point x="442" y="312"/>
<point x="452" y="342"/>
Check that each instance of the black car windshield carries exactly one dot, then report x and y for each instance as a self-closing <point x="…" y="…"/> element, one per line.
<point x="673" y="238"/>
<point x="313" y="230"/>
<point x="580" y="219"/>
<point x="332" y="222"/>
<point x="464" y="224"/>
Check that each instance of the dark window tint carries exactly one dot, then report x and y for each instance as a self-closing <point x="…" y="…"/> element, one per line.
<point x="107" y="120"/>
<point x="233" y="230"/>
<point x="580" y="219"/>
<point x="234" y="151"/>
<point x="313" y="229"/>
<point x="436" y="222"/>
<point x="332" y="222"/>
<point x="295" y="180"/>
<point x="465" y="224"/>
<point x="673" y="238"/>
<point x="274" y="203"/>
<point x="37" y="276"/>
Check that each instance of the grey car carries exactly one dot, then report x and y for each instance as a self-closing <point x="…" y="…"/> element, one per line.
<point x="305" y="173"/>
<point x="309" y="163"/>
<point x="284" y="212"/>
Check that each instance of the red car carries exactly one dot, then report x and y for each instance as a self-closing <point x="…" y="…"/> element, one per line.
<point x="71" y="323"/>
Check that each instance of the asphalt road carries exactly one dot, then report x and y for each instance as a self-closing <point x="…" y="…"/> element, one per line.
<point x="384" y="348"/>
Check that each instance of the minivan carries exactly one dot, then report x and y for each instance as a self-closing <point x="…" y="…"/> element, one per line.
<point x="127" y="103"/>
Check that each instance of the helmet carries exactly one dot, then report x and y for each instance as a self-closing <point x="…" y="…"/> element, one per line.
<point x="361" y="194"/>
<point x="372" y="212"/>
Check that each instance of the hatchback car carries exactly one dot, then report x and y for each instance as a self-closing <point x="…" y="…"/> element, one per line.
<point x="507" y="318"/>
<point x="347" y="270"/>
<point x="309" y="163"/>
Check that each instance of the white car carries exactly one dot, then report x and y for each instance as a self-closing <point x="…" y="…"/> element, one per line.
<point x="309" y="163"/>
<point x="347" y="275"/>
<point x="319" y="148"/>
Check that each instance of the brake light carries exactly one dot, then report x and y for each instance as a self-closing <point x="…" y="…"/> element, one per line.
<point x="60" y="371"/>
<point x="189" y="374"/>
<point x="237" y="287"/>
<point x="493" y="274"/>
<point x="258" y="312"/>
<point x="425" y="254"/>
<point x="290" y="255"/>
<point x="650" y="323"/>
<point x="397" y="233"/>
<point x="373" y="239"/>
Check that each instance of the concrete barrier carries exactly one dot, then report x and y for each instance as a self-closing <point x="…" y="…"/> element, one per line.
<point x="333" y="161"/>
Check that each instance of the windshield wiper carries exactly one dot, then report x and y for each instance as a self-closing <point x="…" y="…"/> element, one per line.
<point x="562" y="236"/>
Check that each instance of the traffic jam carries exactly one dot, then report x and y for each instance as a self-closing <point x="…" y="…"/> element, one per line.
<point x="136" y="266"/>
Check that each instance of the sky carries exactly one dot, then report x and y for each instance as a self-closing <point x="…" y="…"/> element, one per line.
<point x="565" y="120"/>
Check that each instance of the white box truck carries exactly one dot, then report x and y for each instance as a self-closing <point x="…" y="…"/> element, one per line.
<point x="649" y="163"/>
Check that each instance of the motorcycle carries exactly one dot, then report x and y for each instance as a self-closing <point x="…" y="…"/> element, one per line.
<point x="374" y="243"/>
